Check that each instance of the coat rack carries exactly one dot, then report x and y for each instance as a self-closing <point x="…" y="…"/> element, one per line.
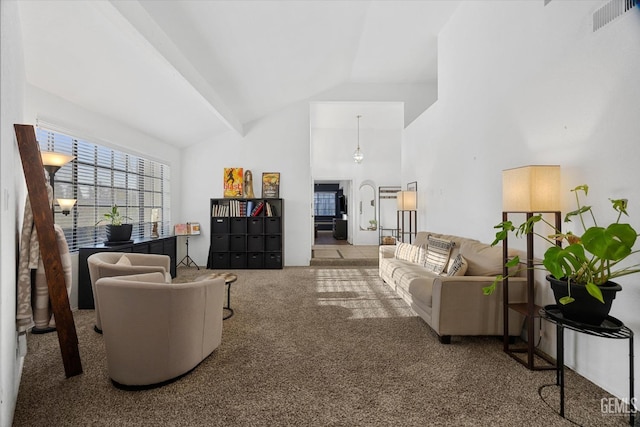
<point x="36" y="186"/>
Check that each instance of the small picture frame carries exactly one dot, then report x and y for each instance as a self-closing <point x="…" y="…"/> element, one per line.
<point x="180" y="229"/>
<point x="412" y="186"/>
<point x="271" y="185"/>
<point x="193" y="228"/>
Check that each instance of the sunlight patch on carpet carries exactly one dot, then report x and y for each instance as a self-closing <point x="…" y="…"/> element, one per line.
<point x="361" y="291"/>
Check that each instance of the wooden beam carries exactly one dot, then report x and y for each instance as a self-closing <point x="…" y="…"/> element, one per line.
<point x="39" y="199"/>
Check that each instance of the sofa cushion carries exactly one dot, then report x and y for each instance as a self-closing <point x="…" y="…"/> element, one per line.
<point x="483" y="259"/>
<point x="438" y="251"/>
<point x="457" y="266"/>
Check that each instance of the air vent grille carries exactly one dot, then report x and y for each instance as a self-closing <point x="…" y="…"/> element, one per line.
<point x="611" y="11"/>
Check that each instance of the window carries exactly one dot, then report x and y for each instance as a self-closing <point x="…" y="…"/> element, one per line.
<point x="324" y="203"/>
<point x="100" y="177"/>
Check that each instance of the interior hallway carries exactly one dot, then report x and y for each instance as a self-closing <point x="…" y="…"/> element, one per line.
<point x="329" y="251"/>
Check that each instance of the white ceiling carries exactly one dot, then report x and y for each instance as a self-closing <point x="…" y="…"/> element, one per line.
<point x="181" y="71"/>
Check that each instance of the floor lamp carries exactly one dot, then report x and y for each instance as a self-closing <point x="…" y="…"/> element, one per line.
<point x="527" y="190"/>
<point x="407" y="204"/>
<point x="52" y="162"/>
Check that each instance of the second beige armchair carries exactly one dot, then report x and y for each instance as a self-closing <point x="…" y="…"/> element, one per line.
<point x="112" y="264"/>
<point x="156" y="332"/>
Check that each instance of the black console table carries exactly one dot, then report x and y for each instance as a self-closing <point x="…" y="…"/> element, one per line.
<point x="609" y="328"/>
<point x="147" y="245"/>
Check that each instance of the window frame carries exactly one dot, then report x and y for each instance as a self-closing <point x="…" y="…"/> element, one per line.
<point x="99" y="177"/>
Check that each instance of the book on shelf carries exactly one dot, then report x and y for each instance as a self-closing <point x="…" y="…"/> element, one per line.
<point x="258" y="208"/>
<point x="220" y="210"/>
<point x="270" y="209"/>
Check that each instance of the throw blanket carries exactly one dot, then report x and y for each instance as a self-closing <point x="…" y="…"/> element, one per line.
<point x="38" y="311"/>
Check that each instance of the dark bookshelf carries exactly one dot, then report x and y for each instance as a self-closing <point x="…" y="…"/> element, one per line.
<point x="246" y="233"/>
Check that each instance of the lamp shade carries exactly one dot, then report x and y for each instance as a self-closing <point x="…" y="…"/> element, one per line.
<point x="51" y="158"/>
<point x="66" y="205"/>
<point x="407" y="200"/>
<point x="533" y="188"/>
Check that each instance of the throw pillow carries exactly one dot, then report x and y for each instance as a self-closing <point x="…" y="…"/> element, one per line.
<point x="438" y="251"/>
<point x="407" y="252"/>
<point x="457" y="266"/>
<point x="421" y="255"/>
<point x="402" y="251"/>
<point x="124" y="261"/>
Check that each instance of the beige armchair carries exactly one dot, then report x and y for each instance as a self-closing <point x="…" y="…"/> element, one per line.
<point x="156" y="332"/>
<point x="112" y="264"/>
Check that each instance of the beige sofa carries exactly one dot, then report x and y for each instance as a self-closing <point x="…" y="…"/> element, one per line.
<point x="155" y="332"/>
<point x="455" y="305"/>
<point x="112" y="264"/>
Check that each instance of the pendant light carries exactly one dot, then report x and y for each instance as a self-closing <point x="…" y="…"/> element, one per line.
<point x="357" y="155"/>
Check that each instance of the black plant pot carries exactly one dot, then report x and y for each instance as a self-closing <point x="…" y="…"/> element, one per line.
<point x="585" y="309"/>
<point x="119" y="233"/>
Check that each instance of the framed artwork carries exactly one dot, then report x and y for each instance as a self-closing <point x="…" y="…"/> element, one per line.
<point x="233" y="179"/>
<point x="193" y="228"/>
<point x="180" y="229"/>
<point x="271" y="185"/>
<point x="412" y="186"/>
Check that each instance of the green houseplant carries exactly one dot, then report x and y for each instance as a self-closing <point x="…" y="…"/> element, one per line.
<point x="581" y="273"/>
<point x="117" y="230"/>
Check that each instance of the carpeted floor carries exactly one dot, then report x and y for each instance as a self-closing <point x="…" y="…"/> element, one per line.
<point x="310" y="347"/>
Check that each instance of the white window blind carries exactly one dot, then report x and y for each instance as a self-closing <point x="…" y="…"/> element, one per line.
<point x="100" y="177"/>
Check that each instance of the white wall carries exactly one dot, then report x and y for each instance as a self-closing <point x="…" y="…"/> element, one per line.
<point x="331" y="159"/>
<point x="522" y="83"/>
<point x="11" y="111"/>
<point x="277" y="143"/>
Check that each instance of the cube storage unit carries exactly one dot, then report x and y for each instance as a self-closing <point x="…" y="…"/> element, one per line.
<point x="246" y="233"/>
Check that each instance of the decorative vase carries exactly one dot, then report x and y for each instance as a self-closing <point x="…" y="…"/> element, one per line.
<point x="119" y="233"/>
<point x="585" y="309"/>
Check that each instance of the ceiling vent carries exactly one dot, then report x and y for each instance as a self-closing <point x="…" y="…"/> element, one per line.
<point x="611" y="11"/>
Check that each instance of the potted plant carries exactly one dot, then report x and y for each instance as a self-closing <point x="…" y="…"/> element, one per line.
<point x="581" y="273"/>
<point x="116" y="230"/>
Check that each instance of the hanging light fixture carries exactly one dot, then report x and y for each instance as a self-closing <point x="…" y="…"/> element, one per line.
<point x="357" y="155"/>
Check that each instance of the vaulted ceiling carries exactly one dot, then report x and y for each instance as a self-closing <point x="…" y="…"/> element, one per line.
<point x="182" y="71"/>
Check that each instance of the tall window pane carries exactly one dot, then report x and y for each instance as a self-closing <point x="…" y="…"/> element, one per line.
<point x="324" y="203"/>
<point x="101" y="177"/>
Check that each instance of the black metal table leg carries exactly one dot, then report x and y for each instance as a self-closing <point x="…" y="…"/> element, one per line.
<point x="560" y="364"/>
<point x="228" y="307"/>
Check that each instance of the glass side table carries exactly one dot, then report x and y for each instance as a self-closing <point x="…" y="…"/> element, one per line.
<point x="609" y="328"/>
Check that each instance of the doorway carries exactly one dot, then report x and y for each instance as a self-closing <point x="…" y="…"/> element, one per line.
<point x="330" y="212"/>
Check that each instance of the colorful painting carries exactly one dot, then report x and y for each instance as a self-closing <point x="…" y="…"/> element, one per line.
<point x="271" y="185"/>
<point x="233" y="179"/>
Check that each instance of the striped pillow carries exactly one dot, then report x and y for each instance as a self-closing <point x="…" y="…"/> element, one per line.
<point x="408" y="252"/>
<point x="457" y="266"/>
<point x="438" y="251"/>
<point x="402" y="251"/>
